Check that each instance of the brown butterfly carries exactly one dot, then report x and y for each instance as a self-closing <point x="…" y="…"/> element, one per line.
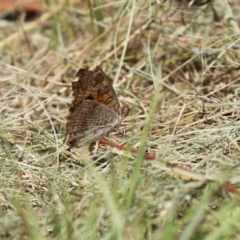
<point x="95" y="110"/>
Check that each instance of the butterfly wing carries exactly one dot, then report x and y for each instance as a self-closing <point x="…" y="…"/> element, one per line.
<point x="89" y="121"/>
<point x="95" y="85"/>
<point x="95" y="109"/>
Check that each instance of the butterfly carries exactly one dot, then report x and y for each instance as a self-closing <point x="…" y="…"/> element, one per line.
<point x="95" y="110"/>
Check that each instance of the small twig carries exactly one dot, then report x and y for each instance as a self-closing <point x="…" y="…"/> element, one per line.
<point x="178" y="169"/>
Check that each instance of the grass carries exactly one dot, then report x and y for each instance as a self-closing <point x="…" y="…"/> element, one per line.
<point x="177" y="69"/>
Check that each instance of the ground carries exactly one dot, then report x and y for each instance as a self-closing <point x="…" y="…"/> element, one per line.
<point x="176" y="174"/>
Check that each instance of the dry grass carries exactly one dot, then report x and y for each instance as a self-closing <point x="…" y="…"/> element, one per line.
<point x="177" y="69"/>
